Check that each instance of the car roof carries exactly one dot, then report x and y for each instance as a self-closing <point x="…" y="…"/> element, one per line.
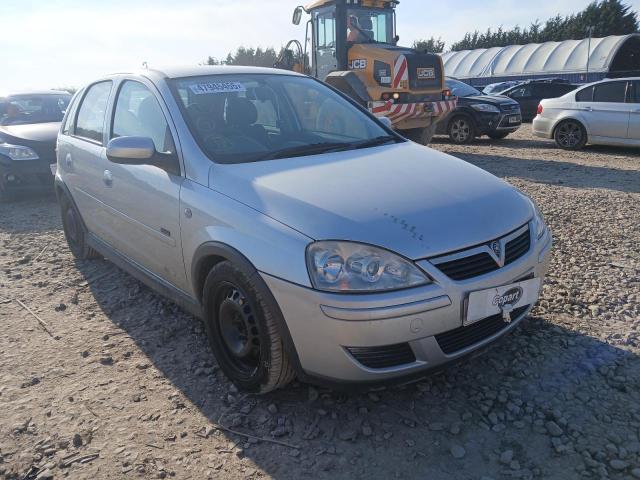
<point x="201" y="70"/>
<point x="35" y="92"/>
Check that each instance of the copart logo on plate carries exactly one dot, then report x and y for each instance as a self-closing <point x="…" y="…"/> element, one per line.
<point x="510" y="297"/>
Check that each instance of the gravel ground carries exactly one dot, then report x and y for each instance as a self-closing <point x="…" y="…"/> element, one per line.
<point x="119" y="383"/>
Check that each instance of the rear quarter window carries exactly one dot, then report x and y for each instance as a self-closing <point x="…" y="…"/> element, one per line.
<point x="585" y="95"/>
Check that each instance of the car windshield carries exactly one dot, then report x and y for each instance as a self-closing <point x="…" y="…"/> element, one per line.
<point x="27" y="109"/>
<point x="461" y="89"/>
<point x="253" y="117"/>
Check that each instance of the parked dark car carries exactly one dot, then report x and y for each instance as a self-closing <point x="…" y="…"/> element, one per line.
<point x="496" y="88"/>
<point x="478" y="114"/>
<point x="29" y="124"/>
<point x="529" y="94"/>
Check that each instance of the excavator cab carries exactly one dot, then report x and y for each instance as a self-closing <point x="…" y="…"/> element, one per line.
<point x="354" y="48"/>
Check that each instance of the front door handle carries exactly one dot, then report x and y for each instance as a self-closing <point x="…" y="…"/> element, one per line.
<point x="107" y="178"/>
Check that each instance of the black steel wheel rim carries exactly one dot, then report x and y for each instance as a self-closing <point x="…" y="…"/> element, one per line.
<point x="71" y="223"/>
<point x="238" y="329"/>
<point x="569" y="134"/>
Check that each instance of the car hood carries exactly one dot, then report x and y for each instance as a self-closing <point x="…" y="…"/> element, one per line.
<point x="404" y="197"/>
<point x="34" y="132"/>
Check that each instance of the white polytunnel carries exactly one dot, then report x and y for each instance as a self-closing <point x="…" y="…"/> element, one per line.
<point x="609" y="56"/>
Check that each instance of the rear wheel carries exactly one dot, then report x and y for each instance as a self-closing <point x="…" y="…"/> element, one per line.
<point x="243" y="332"/>
<point x="498" y="136"/>
<point x="461" y="130"/>
<point x="74" y="231"/>
<point x="570" y="135"/>
<point x="422" y="136"/>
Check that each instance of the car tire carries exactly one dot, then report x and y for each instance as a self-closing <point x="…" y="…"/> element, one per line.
<point x="570" y="135"/>
<point x="243" y="331"/>
<point x="461" y="130"/>
<point x="422" y="136"/>
<point x="498" y="136"/>
<point x="74" y="231"/>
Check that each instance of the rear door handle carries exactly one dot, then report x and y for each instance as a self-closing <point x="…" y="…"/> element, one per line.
<point x="107" y="178"/>
<point x="588" y="109"/>
<point x="68" y="162"/>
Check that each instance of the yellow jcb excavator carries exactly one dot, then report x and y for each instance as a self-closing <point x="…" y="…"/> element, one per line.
<point x="354" y="48"/>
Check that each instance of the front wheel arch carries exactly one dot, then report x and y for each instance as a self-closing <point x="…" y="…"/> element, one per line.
<point x="210" y="254"/>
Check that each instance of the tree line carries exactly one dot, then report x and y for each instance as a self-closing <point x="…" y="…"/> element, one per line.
<point x="604" y="17"/>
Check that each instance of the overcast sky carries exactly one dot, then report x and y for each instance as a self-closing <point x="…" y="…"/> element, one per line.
<point x="57" y="43"/>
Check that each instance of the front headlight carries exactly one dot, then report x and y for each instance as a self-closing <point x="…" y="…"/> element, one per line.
<point x="539" y="227"/>
<point x="354" y="267"/>
<point x="485" y="107"/>
<point x="18" y="152"/>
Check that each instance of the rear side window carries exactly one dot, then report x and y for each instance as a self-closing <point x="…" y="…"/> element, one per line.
<point x="585" y="95"/>
<point x="91" y="114"/>
<point x="71" y="113"/>
<point x="138" y="114"/>
<point x="521" y="92"/>
<point x="635" y="93"/>
<point x="613" y="92"/>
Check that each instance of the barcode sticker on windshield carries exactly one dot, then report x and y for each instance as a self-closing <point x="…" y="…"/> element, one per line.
<point x="217" y="87"/>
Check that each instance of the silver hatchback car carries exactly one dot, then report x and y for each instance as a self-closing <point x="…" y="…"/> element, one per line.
<point x="310" y="238"/>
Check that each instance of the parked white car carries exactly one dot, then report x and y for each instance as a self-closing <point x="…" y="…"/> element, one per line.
<point x="605" y="113"/>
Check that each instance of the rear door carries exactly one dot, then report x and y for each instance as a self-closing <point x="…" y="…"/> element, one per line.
<point x="607" y="114"/>
<point x="525" y="96"/>
<point x="82" y="156"/>
<point x="634" y="116"/>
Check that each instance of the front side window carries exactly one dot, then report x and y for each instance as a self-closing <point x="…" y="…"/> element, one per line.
<point x="30" y="109"/>
<point x="138" y="114"/>
<point x="245" y="118"/>
<point x="91" y="114"/>
<point x="326" y="28"/>
<point x="635" y="96"/>
<point x="611" y="92"/>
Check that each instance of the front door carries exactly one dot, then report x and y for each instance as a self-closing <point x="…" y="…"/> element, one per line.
<point x="143" y="200"/>
<point x="324" y="23"/>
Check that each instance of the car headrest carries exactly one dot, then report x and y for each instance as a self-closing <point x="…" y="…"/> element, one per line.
<point x="366" y="23"/>
<point x="240" y="112"/>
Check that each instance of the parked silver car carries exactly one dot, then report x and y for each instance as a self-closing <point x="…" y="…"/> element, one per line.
<point x="604" y="113"/>
<point x="310" y="238"/>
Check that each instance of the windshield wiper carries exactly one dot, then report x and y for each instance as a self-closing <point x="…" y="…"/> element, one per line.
<point x="311" y="149"/>
<point x="374" y="142"/>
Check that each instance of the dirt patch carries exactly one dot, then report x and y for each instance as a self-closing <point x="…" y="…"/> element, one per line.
<point x="125" y="385"/>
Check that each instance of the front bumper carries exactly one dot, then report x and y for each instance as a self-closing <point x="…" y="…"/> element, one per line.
<point x="324" y="326"/>
<point x="499" y="123"/>
<point x="402" y="112"/>
<point x="26" y="176"/>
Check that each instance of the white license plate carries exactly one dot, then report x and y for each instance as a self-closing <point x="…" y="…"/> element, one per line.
<point x="53" y="167"/>
<point x="515" y="119"/>
<point x="485" y="303"/>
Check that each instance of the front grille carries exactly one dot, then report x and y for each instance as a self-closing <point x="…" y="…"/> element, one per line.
<point x="468" y="267"/>
<point x="481" y="262"/>
<point x="383" y="357"/>
<point x="462" y="337"/>
<point x="517" y="247"/>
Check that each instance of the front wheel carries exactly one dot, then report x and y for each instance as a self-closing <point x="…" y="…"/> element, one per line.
<point x="461" y="130"/>
<point x="243" y="331"/>
<point x="570" y="135"/>
<point x="422" y="136"/>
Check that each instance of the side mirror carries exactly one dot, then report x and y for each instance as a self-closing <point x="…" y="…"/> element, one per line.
<point x="297" y="15"/>
<point x="131" y="150"/>
<point x="386" y="122"/>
